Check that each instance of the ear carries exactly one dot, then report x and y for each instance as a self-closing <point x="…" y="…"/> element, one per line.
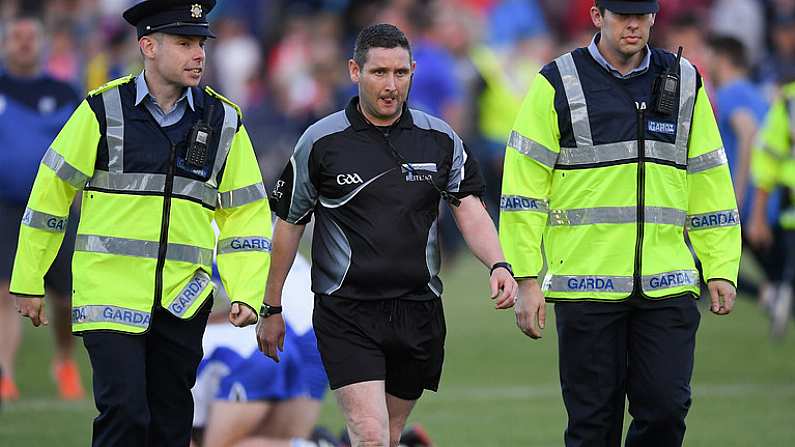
<point x="148" y="47"/>
<point x="354" y="71"/>
<point x="653" y="16"/>
<point x="596" y="17"/>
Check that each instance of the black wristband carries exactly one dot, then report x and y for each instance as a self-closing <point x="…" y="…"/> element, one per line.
<point x="267" y="310"/>
<point x="503" y="265"/>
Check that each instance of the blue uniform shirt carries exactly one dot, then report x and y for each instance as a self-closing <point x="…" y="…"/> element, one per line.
<point x="164" y="119"/>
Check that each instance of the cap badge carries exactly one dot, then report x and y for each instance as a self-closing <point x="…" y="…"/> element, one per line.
<point x="196" y="11"/>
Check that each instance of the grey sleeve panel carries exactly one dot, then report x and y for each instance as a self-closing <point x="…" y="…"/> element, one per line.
<point x="429" y="122"/>
<point x="304" y="193"/>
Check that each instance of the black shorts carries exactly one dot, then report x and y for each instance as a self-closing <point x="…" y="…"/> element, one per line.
<point x="398" y="341"/>
<point x="59" y="278"/>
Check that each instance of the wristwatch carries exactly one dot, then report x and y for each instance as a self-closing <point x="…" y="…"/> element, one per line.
<point x="503" y="265"/>
<point x="267" y="310"/>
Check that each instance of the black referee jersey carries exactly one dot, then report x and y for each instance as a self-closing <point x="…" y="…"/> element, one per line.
<point x="375" y="230"/>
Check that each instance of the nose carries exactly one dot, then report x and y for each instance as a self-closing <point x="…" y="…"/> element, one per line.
<point x="390" y="83"/>
<point x="199" y="54"/>
<point x="633" y="21"/>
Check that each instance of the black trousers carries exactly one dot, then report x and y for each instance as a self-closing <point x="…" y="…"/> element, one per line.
<point x="639" y="349"/>
<point x="142" y="382"/>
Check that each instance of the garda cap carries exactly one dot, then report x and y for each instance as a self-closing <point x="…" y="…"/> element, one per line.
<point x="181" y="17"/>
<point x="630" y="6"/>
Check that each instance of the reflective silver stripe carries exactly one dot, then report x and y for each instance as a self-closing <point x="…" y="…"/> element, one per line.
<point x="44" y="221"/>
<point x="139" y="182"/>
<point x="189" y="253"/>
<point x="598" y="154"/>
<point x="190" y="293"/>
<point x="705" y="221"/>
<point x="128" y="181"/>
<point x="616" y="215"/>
<point x="771" y="152"/>
<point x="622" y="150"/>
<point x="534" y="150"/>
<point x="228" y="132"/>
<point x="243" y="196"/>
<point x="63" y="169"/>
<point x="588" y="283"/>
<point x="576" y="97"/>
<point x="196" y="190"/>
<point x="687" y="100"/>
<point x="669" y="280"/>
<point x="241" y="244"/>
<point x="666" y="151"/>
<point x="706" y="161"/>
<point x="114" y="133"/>
<point x="521" y="203"/>
<point x="142" y="249"/>
<point x="110" y="314"/>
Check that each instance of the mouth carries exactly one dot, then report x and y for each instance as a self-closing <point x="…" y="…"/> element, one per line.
<point x="195" y="71"/>
<point x="632" y="39"/>
<point x="388" y="101"/>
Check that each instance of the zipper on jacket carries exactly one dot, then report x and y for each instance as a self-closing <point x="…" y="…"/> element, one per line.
<point x="641" y="201"/>
<point x="164" y="224"/>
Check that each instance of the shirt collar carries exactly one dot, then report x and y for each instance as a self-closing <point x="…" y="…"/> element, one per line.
<point x="358" y="122"/>
<point x="142" y="91"/>
<point x="593" y="49"/>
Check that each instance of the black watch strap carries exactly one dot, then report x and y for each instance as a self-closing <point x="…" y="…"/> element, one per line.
<point x="503" y="265"/>
<point x="267" y="310"/>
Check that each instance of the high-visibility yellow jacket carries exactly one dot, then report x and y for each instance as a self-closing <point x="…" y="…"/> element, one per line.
<point x="611" y="185"/>
<point x="145" y="237"/>
<point x="773" y="157"/>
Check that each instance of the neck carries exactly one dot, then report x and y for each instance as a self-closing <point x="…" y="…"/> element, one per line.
<point x="729" y="76"/>
<point x="22" y="71"/>
<point x="377" y="121"/>
<point x="623" y="63"/>
<point x="165" y="93"/>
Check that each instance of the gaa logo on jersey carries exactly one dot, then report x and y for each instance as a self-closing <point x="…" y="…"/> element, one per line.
<point x="418" y="172"/>
<point x="349" y="179"/>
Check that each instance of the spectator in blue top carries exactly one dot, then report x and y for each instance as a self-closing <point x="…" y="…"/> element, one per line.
<point x="33" y="107"/>
<point x="741" y="109"/>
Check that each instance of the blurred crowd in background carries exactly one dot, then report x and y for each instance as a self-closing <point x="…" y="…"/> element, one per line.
<point x="285" y="62"/>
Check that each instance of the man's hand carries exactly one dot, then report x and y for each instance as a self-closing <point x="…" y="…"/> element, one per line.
<point x="270" y="336"/>
<point x="32" y="308"/>
<point x="722" y="294"/>
<point x="759" y="234"/>
<point x="530" y="309"/>
<point x="503" y="288"/>
<point x="241" y="315"/>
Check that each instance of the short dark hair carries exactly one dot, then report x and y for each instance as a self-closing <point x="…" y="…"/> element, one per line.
<point x="382" y="35"/>
<point x="729" y="47"/>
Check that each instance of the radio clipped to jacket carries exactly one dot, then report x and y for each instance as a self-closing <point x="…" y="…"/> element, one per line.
<point x="199" y="141"/>
<point x="666" y="87"/>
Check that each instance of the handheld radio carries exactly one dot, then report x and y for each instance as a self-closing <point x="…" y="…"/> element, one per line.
<point x="199" y="140"/>
<point x="666" y="87"/>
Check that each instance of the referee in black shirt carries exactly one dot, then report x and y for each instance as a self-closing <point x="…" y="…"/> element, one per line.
<point x="373" y="175"/>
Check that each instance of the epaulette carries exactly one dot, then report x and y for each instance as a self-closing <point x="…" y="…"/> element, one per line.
<point x="214" y="94"/>
<point x="111" y="84"/>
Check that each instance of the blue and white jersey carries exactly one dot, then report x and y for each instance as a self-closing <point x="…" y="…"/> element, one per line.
<point x="233" y="368"/>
